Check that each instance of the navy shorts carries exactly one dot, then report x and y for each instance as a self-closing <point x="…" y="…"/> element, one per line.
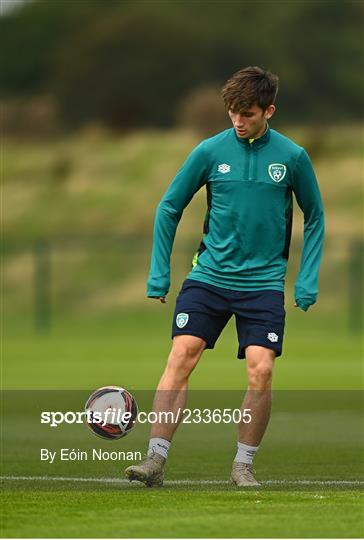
<point x="203" y="310"/>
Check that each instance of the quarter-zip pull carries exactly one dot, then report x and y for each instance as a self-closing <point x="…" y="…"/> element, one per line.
<point x="251" y="160"/>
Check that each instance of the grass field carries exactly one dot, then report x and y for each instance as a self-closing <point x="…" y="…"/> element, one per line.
<point x="109" y="511"/>
<point x="312" y="483"/>
<point x="310" y="464"/>
<point x="319" y="352"/>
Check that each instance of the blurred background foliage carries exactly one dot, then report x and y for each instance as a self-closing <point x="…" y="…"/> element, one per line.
<point x="102" y="100"/>
<point x="132" y="64"/>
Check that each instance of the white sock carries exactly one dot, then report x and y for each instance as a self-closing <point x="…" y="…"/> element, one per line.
<point x="159" y="446"/>
<point x="245" y="453"/>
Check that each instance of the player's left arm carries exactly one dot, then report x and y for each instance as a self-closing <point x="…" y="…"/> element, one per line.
<point x="307" y="193"/>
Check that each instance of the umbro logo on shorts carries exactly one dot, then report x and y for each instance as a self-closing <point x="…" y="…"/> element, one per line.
<point x="182" y="320"/>
<point x="272" y="337"/>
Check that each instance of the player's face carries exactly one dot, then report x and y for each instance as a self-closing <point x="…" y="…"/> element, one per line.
<point x="251" y="122"/>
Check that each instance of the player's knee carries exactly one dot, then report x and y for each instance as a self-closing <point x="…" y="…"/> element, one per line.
<point x="260" y="375"/>
<point x="183" y="357"/>
<point x="187" y="348"/>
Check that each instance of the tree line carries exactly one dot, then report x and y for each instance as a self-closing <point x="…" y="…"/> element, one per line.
<point x="129" y="63"/>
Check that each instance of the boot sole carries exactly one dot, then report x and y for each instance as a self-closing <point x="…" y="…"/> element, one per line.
<point x="244" y="485"/>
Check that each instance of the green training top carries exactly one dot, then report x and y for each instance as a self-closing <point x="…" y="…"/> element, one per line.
<point x="248" y="224"/>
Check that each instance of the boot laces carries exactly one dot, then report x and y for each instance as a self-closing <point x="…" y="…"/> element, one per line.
<point x="246" y="469"/>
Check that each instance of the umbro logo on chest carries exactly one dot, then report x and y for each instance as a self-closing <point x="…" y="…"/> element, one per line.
<point x="224" y="168"/>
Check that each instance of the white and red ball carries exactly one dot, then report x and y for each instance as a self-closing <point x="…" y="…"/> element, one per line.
<point x="111" y="403"/>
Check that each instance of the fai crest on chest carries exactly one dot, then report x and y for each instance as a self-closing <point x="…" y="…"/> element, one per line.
<point x="277" y="171"/>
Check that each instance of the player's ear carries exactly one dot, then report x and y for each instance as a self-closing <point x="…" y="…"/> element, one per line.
<point x="269" y="111"/>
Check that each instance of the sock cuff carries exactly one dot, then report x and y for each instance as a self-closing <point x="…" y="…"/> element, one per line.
<point x="159" y="446"/>
<point x="245" y="453"/>
<point x="247" y="447"/>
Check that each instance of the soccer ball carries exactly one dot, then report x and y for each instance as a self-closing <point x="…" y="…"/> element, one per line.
<point x="111" y="412"/>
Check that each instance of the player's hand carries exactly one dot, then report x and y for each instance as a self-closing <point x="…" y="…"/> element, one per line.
<point x="303" y="307"/>
<point x="162" y="299"/>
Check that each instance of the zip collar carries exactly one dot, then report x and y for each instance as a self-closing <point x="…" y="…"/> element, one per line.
<point x="256" y="143"/>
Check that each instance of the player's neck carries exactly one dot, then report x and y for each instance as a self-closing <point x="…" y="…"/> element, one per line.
<point x="261" y="132"/>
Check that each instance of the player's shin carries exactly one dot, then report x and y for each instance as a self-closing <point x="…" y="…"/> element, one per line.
<point x="168" y="409"/>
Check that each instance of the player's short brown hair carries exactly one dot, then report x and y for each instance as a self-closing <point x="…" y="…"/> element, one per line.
<point x="249" y="86"/>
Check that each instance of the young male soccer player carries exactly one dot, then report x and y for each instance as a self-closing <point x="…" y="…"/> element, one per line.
<point x="250" y="172"/>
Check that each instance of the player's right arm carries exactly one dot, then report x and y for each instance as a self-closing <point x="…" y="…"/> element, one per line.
<point x="189" y="179"/>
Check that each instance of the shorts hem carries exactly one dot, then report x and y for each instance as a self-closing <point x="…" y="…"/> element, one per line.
<point x="241" y="350"/>
<point x="209" y="344"/>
